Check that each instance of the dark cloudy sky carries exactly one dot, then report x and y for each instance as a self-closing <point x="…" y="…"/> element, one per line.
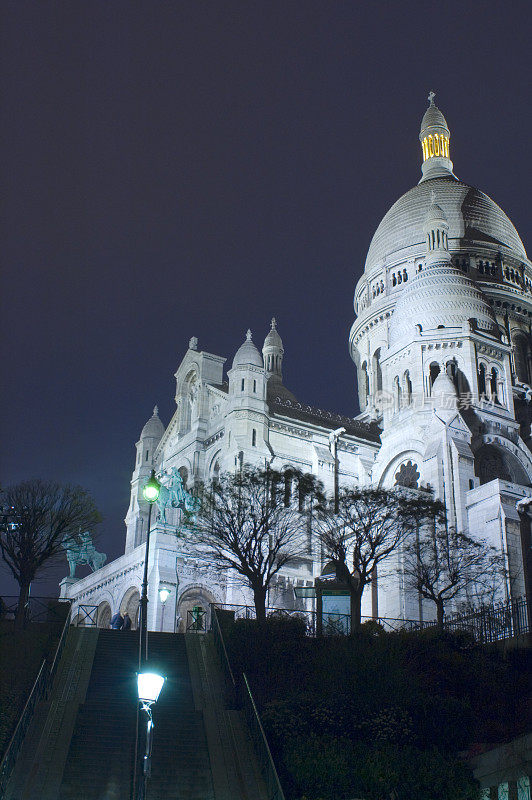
<point x="192" y="168"/>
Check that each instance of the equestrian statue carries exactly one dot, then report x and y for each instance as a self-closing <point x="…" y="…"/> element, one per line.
<point x="173" y="494"/>
<point x="81" y="550"/>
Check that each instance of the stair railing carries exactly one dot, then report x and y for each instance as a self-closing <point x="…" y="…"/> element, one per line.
<point x="39" y="691"/>
<point x="229" y="678"/>
<point x="260" y="743"/>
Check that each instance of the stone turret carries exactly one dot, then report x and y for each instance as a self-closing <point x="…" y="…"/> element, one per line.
<point x="137" y="514"/>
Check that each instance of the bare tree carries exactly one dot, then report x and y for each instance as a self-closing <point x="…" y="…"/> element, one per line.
<point x="248" y="522"/>
<point x="37" y="516"/>
<point x="369" y="526"/>
<point x="443" y="563"/>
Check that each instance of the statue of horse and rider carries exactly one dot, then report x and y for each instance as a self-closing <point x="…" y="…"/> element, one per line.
<point x="81" y="550"/>
<point x="173" y="494"/>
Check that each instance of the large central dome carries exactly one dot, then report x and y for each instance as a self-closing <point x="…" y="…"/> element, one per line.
<point x="473" y="217"/>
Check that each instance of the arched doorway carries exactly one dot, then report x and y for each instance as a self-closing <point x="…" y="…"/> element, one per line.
<point x="193" y="602"/>
<point x="104" y="615"/>
<point x="130" y="605"/>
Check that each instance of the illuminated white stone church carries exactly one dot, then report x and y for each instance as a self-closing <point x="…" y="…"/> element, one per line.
<point x="442" y="348"/>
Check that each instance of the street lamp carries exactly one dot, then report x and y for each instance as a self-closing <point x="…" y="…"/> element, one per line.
<point x="164" y="594"/>
<point x="149" y="685"/>
<point x="333" y="445"/>
<point x="150" y="490"/>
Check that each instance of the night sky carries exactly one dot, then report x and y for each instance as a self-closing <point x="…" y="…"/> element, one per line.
<point x="192" y="168"/>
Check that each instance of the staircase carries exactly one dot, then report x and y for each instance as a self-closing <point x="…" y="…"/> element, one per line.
<point x="101" y="757"/>
<point x="82" y="746"/>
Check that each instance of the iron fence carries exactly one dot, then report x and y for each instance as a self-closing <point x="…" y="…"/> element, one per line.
<point x="37" y="609"/>
<point x="86" y="617"/>
<point x="197" y="620"/>
<point x="40" y="690"/>
<point x="486" y="624"/>
<point x="333" y="624"/>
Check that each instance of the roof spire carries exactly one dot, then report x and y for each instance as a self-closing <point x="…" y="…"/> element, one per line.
<point x="248" y="335"/>
<point x="156" y="411"/>
<point x="431" y="97"/>
<point x="273" y="351"/>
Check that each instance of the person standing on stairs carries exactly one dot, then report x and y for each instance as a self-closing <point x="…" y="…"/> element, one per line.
<point x="117" y="621"/>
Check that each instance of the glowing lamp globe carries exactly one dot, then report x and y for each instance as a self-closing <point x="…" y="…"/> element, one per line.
<point x="149" y="685"/>
<point x="151" y="488"/>
<point x="164" y="594"/>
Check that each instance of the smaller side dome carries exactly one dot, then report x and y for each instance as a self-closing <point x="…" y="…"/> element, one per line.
<point x="273" y="339"/>
<point x="247" y="354"/>
<point x="154" y="428"/>
<point x="443" y="391"/>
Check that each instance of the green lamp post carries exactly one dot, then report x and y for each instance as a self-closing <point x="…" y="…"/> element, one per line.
<point x="150" y="491"/>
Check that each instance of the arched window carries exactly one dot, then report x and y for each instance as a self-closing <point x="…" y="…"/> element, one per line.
<point x="452" y="371"/>
<point x="482" y="380"/>
<point x="521" y="357"/>
<point x="243" y="383"/>
<point x="216" y="471"/>
<point x="287" y="487"/>
<point x="377" y="371"/>
<point x="434" y="371"/>
<point x="183" y="471"/>
<point x="254" y="386"/>
<point x="397" y="391"/>
<point x="408" y="387"/>
<point x="365" y="383"/>
<point x="494" y="386"/>
<point x="253" y="438"/>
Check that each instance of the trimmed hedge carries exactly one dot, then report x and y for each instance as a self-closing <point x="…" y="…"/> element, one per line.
<point x="360" y="716"/>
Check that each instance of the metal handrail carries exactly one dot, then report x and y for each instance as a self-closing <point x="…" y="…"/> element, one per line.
<point x="262" y="748"/>
<point x="59" y="649"/>
<point x="8" y="760"/>
<point x="219" y="643"/>
<point x="39" y="690"/>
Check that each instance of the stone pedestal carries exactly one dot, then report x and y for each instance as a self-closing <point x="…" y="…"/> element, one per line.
<point x="64" y="587"/>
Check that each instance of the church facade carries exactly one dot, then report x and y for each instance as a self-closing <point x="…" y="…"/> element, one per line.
<point x="441" y="344"/>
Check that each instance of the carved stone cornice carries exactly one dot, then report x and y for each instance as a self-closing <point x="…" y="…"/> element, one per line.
<point x="214" y="438"/>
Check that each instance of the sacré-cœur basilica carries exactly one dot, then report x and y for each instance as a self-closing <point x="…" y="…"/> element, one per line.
<point x="442" y="347"/>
